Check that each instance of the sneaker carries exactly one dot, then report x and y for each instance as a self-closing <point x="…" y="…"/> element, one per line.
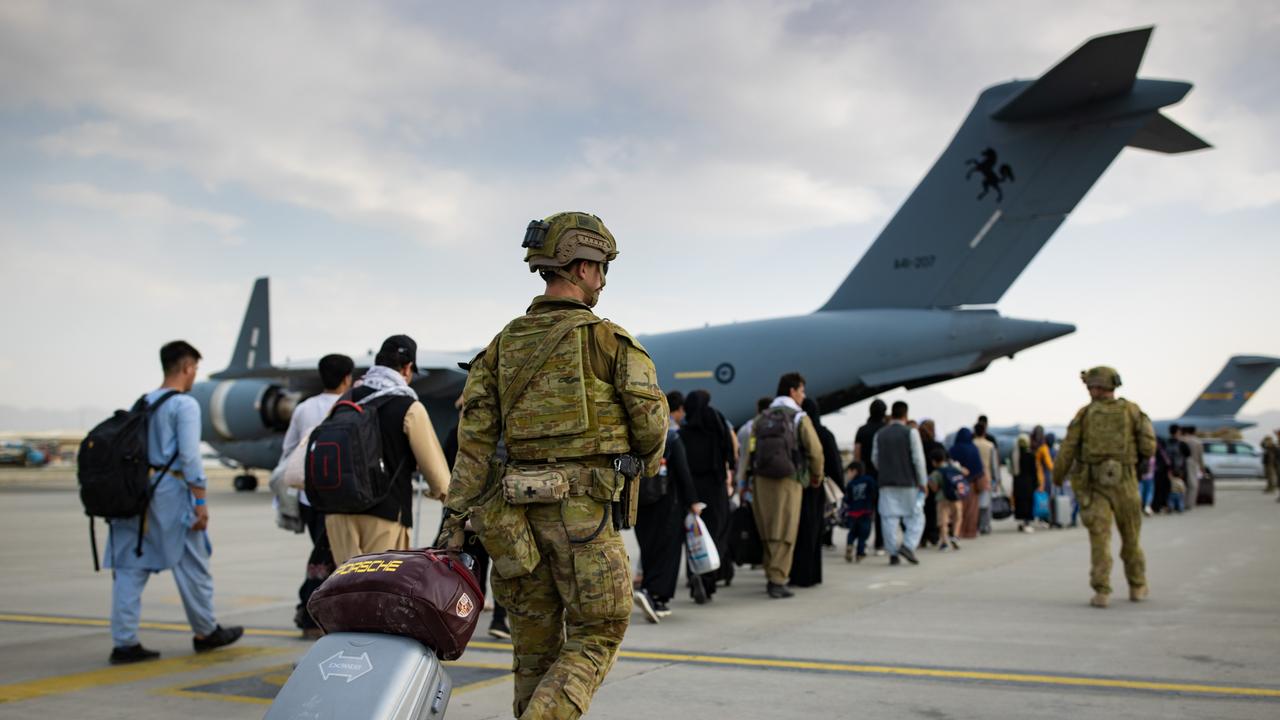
<point x="909" y="554"/>
<point x="218" y="638"/>
<point x="1099" y="600"/>
<point x="645" y="603"/>
<point x="848" y="554"/>
<point x="131" y="654"/>
<point x="942" y="547"/>
<point x="955" y="545"/>
<point x="661" y="608"/>
<point x="499" y="629"/>
<point x="1138" y="594"/>
<point x="893" y="560"/>
<point x="859" y="557"/>
<point x="879" y="552"/>
<point x="1146" y="510"/>
<point x="778" y="591"/>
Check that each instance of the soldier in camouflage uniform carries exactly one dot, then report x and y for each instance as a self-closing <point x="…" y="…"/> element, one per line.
<point x="569" y="394"/>
<point x="1105" y="443"/>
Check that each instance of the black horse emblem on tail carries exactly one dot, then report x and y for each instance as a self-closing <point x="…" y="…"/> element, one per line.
<point x="985" y="164"/>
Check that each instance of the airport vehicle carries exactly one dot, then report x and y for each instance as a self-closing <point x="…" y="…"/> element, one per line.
<point x="1232" y="459"/>
<point x="20" y="454"/>
<point x="921" y="295"/>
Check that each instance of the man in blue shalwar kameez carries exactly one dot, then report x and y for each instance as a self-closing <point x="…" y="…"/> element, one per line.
<point x="174" y="536"/>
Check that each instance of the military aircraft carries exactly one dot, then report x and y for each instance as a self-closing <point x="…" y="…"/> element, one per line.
<point x="1216" y="407"/>
<point x="915" y="310"/>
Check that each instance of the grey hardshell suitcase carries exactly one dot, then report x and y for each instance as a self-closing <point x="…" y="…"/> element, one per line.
<point x="364" y="675"/>
<point x="1060" y="507"/>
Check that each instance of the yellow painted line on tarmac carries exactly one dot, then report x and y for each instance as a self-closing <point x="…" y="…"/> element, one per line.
<point x="101" y="622"/>
<point x="1027" y="678"/>
<point x="729" y="661"/>
<point x="124" y="674"/>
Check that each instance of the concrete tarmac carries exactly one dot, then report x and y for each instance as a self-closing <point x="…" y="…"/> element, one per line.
<point x="999" y="629"/>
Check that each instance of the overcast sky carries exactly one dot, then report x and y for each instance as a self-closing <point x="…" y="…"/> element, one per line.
<point x="380" y="161"/>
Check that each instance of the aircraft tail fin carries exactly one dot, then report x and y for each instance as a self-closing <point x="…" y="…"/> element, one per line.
<point x="1019" y="164"/>
<point x="1234" y="385"/>
<point x="253" y="348"/>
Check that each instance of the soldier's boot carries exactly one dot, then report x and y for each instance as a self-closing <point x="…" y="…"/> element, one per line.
<point x="1099" y="600"/>
<point x="1138" y="593"/>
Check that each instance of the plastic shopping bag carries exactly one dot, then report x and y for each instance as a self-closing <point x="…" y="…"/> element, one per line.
<point x="703" y="556"/>
<point x="1040" y="505"/>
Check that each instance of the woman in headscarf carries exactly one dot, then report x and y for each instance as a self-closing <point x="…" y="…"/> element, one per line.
<point x="806" y="564"/>
<point x="1024" y="483"/>
<point x="710" y="453"/>
<point x="966" y="453"/>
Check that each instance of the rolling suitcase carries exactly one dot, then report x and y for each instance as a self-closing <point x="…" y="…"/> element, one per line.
<point x="364" y="675"/>
<point x="1204" y="492"/>
<point x="1060" y="507"/>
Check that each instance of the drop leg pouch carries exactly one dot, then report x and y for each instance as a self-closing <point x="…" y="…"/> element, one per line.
<point x="504" y="530"/>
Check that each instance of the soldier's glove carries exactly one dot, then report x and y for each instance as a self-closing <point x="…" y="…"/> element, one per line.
<point x="451" y="531"/>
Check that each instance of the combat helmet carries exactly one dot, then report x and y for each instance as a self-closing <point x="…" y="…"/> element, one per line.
<point x="1101" y="376"/>
<point x="558" y="240"/>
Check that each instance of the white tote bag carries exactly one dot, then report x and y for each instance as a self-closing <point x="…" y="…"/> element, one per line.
<point x="703" y="556"/>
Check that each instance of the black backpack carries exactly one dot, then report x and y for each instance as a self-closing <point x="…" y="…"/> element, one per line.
<point x="114" y="469"/>
<point x="345" y="469"/>
<point x="777" y="451"/>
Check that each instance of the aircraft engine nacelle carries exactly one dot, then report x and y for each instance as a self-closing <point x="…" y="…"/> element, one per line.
<point x="243" y="409"/>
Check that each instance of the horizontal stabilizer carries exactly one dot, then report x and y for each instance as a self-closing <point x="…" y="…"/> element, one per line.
<point x="1163" y="135"/>
<point x="1103" y="68"/>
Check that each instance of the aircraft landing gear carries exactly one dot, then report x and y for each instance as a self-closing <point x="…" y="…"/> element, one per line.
<point x="245" y="483"/>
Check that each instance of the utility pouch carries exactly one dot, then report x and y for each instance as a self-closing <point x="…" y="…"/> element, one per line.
<point x="530" y="487"/>
<point x="504" y="531"/>
<point x="1109" y="473"/>
<point x="606" y="485"/>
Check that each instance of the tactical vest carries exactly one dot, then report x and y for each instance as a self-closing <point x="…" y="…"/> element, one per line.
<point x="565" y="411"/>
<point x="1107" y="433"/>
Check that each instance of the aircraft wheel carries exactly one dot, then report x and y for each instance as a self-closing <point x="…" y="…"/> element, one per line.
<point x="245" y="483"/>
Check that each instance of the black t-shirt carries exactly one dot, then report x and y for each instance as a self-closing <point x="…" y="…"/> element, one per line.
<point x="865" y="437"/>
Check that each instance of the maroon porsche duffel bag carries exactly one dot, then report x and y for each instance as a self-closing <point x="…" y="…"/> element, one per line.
<point x="428" y="595"/>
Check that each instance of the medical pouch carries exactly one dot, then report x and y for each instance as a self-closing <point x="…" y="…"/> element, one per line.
<point x="1108" y="473"/>
<point x="531" y="487"/>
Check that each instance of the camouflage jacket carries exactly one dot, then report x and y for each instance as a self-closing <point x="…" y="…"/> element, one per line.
<point x="615" y="359"/>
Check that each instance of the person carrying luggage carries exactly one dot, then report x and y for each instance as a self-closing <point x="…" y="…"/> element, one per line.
<point x="577" y="403"/>
<point x="171" y="533"/>
<point x="405" y="441"/>
<point x="859" y="510"/>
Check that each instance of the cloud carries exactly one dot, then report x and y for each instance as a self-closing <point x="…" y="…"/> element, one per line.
<point x="141" y="207"/>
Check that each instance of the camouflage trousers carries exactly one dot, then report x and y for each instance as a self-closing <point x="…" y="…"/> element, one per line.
<point x="1098" y="506"/>
<point x="568" y="616"/>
